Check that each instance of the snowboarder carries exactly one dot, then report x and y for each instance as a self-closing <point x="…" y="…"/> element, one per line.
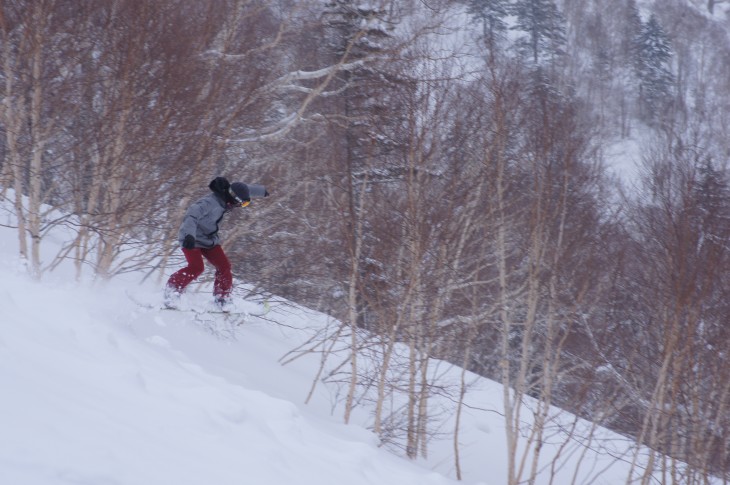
<point x="198" y="236"/>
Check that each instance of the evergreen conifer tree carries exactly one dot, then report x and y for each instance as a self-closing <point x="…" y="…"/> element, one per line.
<point x="491" y="14"/>
<point x="630" y="31"/>
<point x="653" y="56"/>
<point x="544" y="29"/>
<point x="712" y="194"/>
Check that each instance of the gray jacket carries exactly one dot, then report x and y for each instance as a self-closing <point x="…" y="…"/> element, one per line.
<point x="202" y="219"/>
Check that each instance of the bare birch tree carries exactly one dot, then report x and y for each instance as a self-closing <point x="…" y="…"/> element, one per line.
<point x="682" y="235"/>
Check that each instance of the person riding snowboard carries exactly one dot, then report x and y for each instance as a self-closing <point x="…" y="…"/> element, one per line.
<point x="198" y="236"/>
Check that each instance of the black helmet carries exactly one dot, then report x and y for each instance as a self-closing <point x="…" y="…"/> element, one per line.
<point x="239" y="194"/>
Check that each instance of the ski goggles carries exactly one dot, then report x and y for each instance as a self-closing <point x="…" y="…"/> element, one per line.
<point x="239" y="201"/>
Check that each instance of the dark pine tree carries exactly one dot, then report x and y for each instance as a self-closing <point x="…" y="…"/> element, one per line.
<point x="365" y="114"/>
<point x="491" y="14"/>
<point x="630" y="31"/>
<point x="544" y="29"/>
<point x="712" y="195"/>
<point x="653" y="56"/>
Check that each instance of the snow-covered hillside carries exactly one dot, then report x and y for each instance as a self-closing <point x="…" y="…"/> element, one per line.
<point x="96" y="390"/>
<point x="99" y="390"/>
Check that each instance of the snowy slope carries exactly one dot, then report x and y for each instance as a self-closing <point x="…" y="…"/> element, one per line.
<point x="98" y="390"/>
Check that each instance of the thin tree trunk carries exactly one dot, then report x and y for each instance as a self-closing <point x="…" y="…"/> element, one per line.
<point x="35" y="175"/>
<point x="357" y="218"/>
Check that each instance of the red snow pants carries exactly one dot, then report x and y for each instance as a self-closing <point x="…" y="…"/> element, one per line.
<point x="215" y="256"/>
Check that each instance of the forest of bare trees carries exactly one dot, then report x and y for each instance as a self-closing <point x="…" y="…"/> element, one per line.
<point x="441" y="185"/>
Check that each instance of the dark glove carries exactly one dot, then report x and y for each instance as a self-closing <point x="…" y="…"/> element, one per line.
<point x="189" y="242"/>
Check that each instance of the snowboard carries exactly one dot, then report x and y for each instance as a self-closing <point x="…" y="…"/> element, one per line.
<point x="200" y="311"/>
